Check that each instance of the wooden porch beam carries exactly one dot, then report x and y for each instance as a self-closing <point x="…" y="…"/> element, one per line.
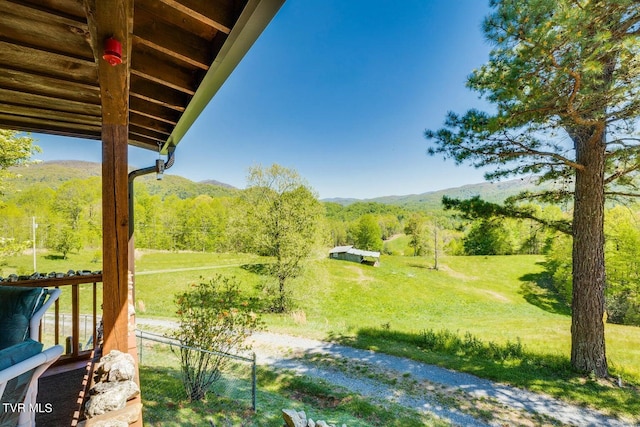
<point x="114" y="18"/>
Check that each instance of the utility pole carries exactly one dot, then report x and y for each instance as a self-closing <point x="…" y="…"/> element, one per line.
<point x="33" y="227"/>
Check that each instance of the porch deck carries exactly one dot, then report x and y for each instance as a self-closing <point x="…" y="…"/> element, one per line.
<point x="60" y="393"/>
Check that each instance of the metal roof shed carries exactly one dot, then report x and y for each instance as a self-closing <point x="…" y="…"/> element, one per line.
<point x="349" y="253"/>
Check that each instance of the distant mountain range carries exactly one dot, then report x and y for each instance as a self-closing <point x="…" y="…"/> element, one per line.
<point x="54" y="173"/>
<point x="491" y="192"/>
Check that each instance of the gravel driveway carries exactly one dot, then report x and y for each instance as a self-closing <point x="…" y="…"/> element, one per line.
<point x="459" y="398"/>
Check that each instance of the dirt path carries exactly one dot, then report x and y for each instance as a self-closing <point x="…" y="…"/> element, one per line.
<point x="459" y="398"/>
<point x="176" y="270"/>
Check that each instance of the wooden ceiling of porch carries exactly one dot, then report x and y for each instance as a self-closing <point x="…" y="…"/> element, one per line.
<point x="49" y="79"/>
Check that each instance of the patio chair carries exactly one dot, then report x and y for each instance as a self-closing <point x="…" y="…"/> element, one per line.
<point x="21" y="310"/>
<point x="20" y="367"/>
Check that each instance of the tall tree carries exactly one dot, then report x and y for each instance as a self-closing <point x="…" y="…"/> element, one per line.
<point x="564" y="80"/>
<point x="16" y="149"/>
<point x="487" y="237"/>
<point x="367" y="234"/>
<point x="279" y="216"/>
<point x="416" y="229"/>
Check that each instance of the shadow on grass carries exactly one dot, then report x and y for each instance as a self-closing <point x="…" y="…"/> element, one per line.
<point x="509" y="363"/>
<point x="537" y="289"/>
<point x="54" y="257"/>
<point x="259" y="269"/>
<point x="423" y="266"/>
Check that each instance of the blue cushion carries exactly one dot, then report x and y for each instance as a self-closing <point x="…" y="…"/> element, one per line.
<point x="19" y="352"/>
<point x="17" y="307"/>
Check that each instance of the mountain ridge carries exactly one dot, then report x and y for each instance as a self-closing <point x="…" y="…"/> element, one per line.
<point x="54" y="173"/>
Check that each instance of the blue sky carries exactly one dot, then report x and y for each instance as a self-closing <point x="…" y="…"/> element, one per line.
<point x="341" y="91"/>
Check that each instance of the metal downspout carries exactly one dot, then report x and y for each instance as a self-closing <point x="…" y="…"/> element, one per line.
<point x="159" y="168"/>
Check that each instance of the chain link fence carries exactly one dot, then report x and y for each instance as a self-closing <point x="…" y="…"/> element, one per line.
<point x="65" y="326"/>
<point x="161" y="376"/>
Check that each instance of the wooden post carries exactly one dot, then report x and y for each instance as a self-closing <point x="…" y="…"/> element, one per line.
<point x="115" y="245"/>
<point x="114" y="19"/>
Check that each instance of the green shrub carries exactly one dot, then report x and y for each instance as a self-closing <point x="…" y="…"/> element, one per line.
<point x="213" y="316"/>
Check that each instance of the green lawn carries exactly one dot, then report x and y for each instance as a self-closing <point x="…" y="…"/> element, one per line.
<point x="493" y="301"/>
<point x="497" y="300"/>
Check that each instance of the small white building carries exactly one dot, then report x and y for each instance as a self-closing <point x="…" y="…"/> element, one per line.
<point x="349" y="253"/>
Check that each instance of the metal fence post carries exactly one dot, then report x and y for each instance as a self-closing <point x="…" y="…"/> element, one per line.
<point x="253" y="383"/>
<point x="140" y="350"/>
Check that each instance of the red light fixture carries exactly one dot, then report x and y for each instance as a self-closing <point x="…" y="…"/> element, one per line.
<point x="112" y="51"/>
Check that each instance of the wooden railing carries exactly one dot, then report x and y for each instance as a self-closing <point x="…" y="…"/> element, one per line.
<point x="70" y="303"/>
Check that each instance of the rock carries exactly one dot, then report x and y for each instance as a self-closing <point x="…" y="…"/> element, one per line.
<point x="122" y="371"/>
<point x="116" y="355"/>
<point x="111" y="423"/>
<point x="111" y="400"/>
<point x="130" y="414"/>
<point x="293" y="419"/>
<point x="132" y="309"/>
<point x="299" y="419"/>
<point x="116" y="366"/>
<point x="129" y="387"/>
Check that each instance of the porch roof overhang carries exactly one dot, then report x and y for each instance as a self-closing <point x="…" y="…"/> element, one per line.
<point x="181" y="53"/>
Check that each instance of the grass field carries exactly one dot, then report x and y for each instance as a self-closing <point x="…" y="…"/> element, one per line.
<point x="499" y="301"/>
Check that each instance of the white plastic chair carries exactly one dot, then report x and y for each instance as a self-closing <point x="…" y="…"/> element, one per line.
<point x="34" y="322"/>
<point x="38" y="363"/>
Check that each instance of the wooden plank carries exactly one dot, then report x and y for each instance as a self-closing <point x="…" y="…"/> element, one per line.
<point x="94" y="324"/>
<point x="147" y="123"/>
<point x="147" y="133"/>
<point x="154" y="111"/>
<point x="163" y="72"/>
<point x="56" y="282"/>
<point x="171" y="40"/>
<point x="72" y="9"/>
<point x="48" y="102"/>
<point x="220" y="15"/>
<point x="56" y="327"/>
<point x="59" y="116"/>
<point x="75" y="320"/>
<point x="61" y="66"/>
<point x="158" y="94"/>
<point x="143" y="142"/>
<point x="46" y="35"/>
<point x="166" y="13"/>
<point x="40" y="12"/>
<point x="48" y="86"/>
<point x="49" y="127"/>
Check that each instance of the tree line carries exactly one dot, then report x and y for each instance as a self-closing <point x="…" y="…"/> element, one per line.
<point x="68" y="220"/>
